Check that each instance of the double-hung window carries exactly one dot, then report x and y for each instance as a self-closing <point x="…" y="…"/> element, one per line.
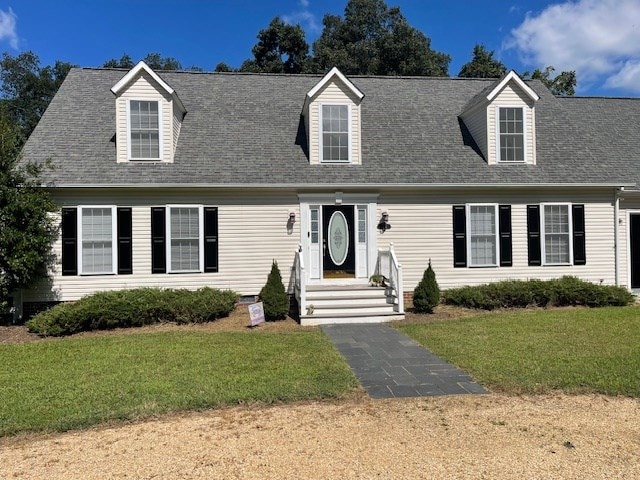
<point x="185" y="239"/>
<point x="144" y="130"/>
<point x="556" y="234"/>
<point x="511" y="134"/>
<point x="483" y="235"/>
<point x="97" y="249"/>
<point x="334" y="136"/>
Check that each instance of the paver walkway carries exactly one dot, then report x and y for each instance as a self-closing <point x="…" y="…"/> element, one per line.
<point x="389" y="364"/>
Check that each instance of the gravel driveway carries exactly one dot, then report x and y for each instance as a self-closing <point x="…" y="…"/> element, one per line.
<point x="489" y="436"/>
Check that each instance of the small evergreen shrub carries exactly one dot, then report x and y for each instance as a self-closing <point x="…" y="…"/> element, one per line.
<point x="133" y="308"/>
<point x="426" y="295"/>
<point x="274" y="296"/>
<point x="565" y="291"/>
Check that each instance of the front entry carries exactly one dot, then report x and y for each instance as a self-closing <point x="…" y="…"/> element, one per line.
<point x="338" y="242"/>
<point x="634" y="244"/>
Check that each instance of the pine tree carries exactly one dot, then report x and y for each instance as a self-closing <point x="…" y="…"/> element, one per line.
<point x="427" y="293"/>
<point x="274" y="296"/>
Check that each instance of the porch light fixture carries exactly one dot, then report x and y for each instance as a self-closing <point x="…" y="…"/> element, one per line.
<point x="384" y="225"/>
<point x="292" y="217"/>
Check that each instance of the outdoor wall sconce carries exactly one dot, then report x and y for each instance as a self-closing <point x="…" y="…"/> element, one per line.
<point x="384" y="225"/>
<point x="292" y="217"/>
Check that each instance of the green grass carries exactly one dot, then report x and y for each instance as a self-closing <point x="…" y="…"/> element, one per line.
<point x="74" y="383"/>
<point x="578" y="350"/>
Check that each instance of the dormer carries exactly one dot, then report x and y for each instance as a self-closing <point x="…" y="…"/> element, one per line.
<point x="332" y="120"/>
<point x="502" y="121"/>
<point x="149" y="115"/>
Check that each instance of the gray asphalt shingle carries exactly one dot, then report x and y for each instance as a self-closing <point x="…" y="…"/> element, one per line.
<point x="246" y="129"/>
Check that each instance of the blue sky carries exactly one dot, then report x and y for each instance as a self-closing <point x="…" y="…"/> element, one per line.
<point x="600" y="39"/>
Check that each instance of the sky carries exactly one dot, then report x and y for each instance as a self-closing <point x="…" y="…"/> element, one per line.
<point x="600" y="39"/>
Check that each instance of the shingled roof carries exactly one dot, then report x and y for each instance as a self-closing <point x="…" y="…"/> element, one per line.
<point x="244" y="129"/>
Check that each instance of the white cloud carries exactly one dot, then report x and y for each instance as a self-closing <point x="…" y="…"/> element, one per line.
<point x="600" y="39"/>
<point x="304" y="17"/>
<point x="8" y="28"/>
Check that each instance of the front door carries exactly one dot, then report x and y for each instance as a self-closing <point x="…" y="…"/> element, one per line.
<point x="338" y="242"/>
<point x="634" y="245"/>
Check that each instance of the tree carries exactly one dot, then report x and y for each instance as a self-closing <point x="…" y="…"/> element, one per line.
<point x="27" y="88"/>
<point x="281" y="48"/>
<point x="274" y="296"/>
<point x="154" y="60"/>
<point x="373" y="39"/>
<point x="27" y="230"/>
<point x="223" y="67"/>
<point x="482" y="65"/>
<point x="563" y="84"/>
<point x="426" y="295"/>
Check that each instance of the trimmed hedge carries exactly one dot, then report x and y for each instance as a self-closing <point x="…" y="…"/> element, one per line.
<point x="565" y="291"/>
<point x="133" y="308"/>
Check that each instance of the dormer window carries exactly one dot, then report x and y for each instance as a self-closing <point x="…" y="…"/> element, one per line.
<point x="144" y="130"/>
<point x="511" y="133"/>
<point x="335" y="133"/>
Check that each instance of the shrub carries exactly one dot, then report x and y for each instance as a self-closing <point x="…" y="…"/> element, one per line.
<point x="565" y="291"/>
<point x="426" y="295"/>
<point x="133" y="308"/>
<point x="274" y="296"/>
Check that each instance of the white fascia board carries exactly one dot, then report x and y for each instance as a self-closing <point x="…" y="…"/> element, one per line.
<point x="137" y="70"/>
<point x="513" y="76"/>
<point x="327" y="78"/>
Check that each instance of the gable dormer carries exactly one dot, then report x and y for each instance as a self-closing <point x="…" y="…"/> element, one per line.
<point x="502" y="121"/>
<point x="149" y="115"/>
<point x="332" y="120"/>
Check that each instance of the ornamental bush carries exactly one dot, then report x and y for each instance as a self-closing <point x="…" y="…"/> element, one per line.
<point x="274" y="296"/>
<point x="564" y="291"/>
<point x="133" y="308"/>
<point x="426" y="295"/>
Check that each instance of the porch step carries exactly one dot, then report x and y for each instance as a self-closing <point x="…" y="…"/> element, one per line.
<point x="355" y="303"/>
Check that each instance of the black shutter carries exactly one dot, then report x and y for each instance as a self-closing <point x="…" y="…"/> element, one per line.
<point x="69" y="241"/>
<point x="579" y="246"/>
<point x="459" y="236"/>
<point x="158" y="240"/>
<point x="124" y="241"/>
<point x="506" y="256"/>
<point x="533" y="235"/>
<point x="210" y="239"/>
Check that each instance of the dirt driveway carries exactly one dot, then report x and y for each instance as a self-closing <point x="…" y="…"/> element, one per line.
<point x="490" y="436"/>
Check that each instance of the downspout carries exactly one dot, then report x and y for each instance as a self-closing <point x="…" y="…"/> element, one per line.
<point x="616" y="232"/>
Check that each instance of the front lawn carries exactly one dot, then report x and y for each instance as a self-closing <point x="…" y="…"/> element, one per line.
<point x="574" y="350"/>
<point x="71" y="383"/>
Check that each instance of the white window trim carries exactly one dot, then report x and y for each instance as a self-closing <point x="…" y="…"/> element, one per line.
<point x="543" y="233"/>
<point x="200" y="237"/>
<point x="114" y="239"/>
<point x="525" y="135"/>
<point x="468" y="235"/>
<point x="160" y="129"/>
<point x="349" y="133"/>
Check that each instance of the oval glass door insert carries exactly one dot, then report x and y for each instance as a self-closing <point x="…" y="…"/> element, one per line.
<point x="338" y="238"/>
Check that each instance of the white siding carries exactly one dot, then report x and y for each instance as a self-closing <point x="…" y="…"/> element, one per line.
<point x="252" y="233"/>
<point x="422" y="229"/>
<point x="334" y="92"/>
<point x="145" y="88"/>
<point x="476" y="121"/>
<point x="512" y="96"/>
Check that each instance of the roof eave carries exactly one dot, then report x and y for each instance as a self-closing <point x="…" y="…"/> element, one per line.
<point x="512" y="76"/>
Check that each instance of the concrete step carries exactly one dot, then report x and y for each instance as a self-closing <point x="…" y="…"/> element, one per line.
<point x="349" y="302"/>
<point x="353" y="310"/>
<point x="336" y="319"/>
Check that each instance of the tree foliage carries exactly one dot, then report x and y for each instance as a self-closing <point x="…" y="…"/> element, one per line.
<point x="27" y="230"/>
<point x="154" y="60"/>
<point x="426" y="295"/>
<point x="373" y="39"/>
<point x="274" y="296"/>
<point x="27" y="88"/>
<point x="482" y="65"/>
<point x="563" y="84"/>
<point x="281" y="48"/>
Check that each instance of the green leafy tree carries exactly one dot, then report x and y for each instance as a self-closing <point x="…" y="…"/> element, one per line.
<point x="223" y="67"/>
<point x="482" y="65"/>
<point x="564" y="84"/>
<point x="281" y="48"/>
<point x="27" y="230"/>
<point x="125" y="61"/>
<point x="373" y="39"/>
<point x="274" y="296"/>
<point x="426" y="295"/>
<point x="27" y="88"/>
<point x="154" y="60"/>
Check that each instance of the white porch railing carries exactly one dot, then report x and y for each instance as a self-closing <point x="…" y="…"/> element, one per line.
<point x="300" y="282"/>
<point x="391" y="269"/>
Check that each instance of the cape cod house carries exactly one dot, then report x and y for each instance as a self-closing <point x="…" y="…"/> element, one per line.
<point x="185" y="179"/>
